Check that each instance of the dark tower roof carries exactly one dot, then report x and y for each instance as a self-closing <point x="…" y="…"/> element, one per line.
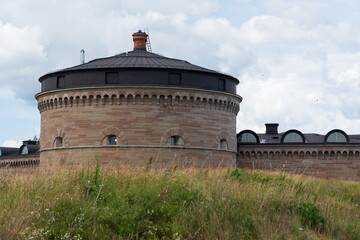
<point x="137" y="59"/>
<point x="139" y="67"/>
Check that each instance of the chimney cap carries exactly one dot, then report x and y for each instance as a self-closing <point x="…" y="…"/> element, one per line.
<point x="139" y="32"/>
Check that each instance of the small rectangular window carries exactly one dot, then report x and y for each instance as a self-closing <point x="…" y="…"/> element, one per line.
<point x="112" y="78"/>
<point x="60" y="83"/>
<point x="174" y="78"/>
<point x="221" y="84"/>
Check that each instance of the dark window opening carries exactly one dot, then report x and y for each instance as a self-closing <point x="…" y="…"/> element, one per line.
<point x="223" y="144"/>
<point x="58" y="142"/>
<point x="24" y="150"/>
<point x="174" y="78"/>
<point x="112" y="78"/>
<point x="111" y="140"/>
<point x="221" y="84"/>
<point x="60" y="83"/>
<point x="174" y="140"/>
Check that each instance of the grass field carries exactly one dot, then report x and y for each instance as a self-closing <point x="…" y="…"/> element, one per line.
<point x="127" y="203"/>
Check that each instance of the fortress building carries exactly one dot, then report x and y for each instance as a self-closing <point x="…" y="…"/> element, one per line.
<point x="136" y="105"/>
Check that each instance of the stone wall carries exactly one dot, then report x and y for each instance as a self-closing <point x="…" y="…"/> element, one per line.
<point x="140" y="117"/>
<point x="138" y="156"/>
<point x="339" y="161"/>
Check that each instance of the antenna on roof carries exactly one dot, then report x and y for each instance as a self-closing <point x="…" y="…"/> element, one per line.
<point x="148" y="44"/>
<point x="82" y="56"/>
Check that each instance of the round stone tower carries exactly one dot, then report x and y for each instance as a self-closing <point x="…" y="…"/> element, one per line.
<point x="136" y="105"/>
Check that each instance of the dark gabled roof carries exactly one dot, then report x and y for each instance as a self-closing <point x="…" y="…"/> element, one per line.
<point x="354" y="138"/>
<point x="7" y="151"/>
<point x="32" y="146"/>
<point x="139" y="59"/>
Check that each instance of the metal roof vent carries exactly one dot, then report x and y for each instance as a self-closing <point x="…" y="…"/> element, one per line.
<point x="82" y="56"/>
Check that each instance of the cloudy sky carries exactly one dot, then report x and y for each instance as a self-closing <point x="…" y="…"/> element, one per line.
<point x="298" y="61"/>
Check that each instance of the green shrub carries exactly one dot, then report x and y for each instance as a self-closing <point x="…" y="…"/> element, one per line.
<point x="310" y="216"/>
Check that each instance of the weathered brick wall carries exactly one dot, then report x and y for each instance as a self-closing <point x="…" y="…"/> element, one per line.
<point x="139" y="156"/>
<point x="339" y="161"/>
<point x="139" y="116"/>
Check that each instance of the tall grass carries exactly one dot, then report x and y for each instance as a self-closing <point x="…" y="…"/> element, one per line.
<point x="128" y="203"/>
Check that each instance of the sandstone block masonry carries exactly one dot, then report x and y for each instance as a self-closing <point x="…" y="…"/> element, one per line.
<point x="143" y="119"/>
<point x="338" y="161"/>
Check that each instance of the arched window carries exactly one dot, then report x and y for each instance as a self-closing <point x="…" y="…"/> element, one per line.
<point x="336" y="136"/>
<point x="223" y="144"/>
<point x="293" y="136"/>
<point x="111" y="140"/>
<point x="58" y="142"/>
<point x="247" y="137"/>
<point x="174" y="137"/>
<point x="24" y="150"/>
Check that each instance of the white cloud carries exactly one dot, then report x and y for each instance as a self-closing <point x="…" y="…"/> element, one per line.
<point x="12" y="143"/>
<point x="21" y="55"/>
<point x="190" y="7"/>
<point x="19" y="45"/>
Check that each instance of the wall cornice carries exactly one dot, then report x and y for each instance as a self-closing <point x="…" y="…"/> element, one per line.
<point x="160" y="96"/>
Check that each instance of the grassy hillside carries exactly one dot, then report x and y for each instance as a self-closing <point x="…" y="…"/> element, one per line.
<point x="125" y="203"/>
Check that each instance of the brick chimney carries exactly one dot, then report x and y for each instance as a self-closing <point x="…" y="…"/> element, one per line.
<point x="271" y="128"/>
<point x="140" y="39"/>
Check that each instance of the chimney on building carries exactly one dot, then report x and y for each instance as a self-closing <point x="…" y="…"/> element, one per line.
<point x="30" y="142"/>
<point x="140" y="39"/>
<point x="271" y="128"/>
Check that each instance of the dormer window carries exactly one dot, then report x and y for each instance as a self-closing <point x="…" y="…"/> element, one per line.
<point x="293" y="136"/>
<point x="24" y="150"/>
<point x="336" y="136"/>
<point x="247" y="137"/>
